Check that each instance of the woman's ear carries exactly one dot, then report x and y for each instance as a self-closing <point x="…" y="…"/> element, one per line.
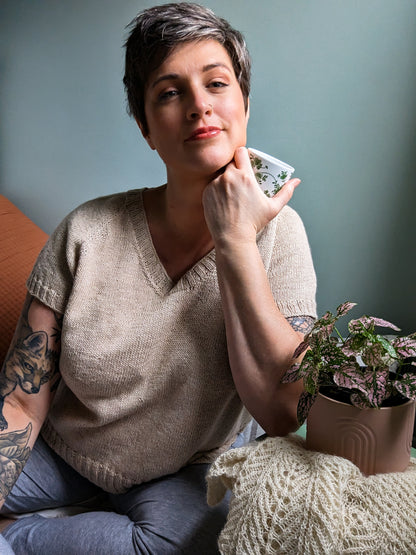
<point x="248" y="110"/>
<point x="145" y="134"/>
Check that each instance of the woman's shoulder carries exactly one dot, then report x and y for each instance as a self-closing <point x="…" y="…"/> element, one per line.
<point x="101" y="213"/>
<point x="287" y="224"/>
<point x="104" y="206"/>
<point x="289" y="217"/>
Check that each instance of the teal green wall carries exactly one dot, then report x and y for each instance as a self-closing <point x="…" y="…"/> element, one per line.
<point x="334" y="94"/>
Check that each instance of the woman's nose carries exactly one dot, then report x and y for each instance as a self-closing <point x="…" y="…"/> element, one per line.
<point x="199" y="106"/>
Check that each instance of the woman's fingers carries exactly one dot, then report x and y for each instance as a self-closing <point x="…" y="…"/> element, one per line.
<point x="242" y="160"/>
<point x="281" y="198"/>
<point x="234" y="204"/>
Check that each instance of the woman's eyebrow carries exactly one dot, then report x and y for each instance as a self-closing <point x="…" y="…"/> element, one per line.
<point x="171" y="76"/>
<point x="208" y="67"/>
<point x="165" y="77"/>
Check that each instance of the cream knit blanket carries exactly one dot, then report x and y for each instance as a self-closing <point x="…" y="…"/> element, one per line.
<point x="290" y="500"/>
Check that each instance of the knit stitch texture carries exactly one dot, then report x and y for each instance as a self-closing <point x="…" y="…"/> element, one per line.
<point x="146" y="384"/>
<point x="293" y="501"/>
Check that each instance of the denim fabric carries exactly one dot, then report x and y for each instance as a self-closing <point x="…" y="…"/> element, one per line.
<point x="5" y="549"/>
<point x="162" y="517"/>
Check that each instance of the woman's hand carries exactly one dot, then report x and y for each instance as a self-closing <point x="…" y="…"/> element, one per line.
<point x="234" y="205"/>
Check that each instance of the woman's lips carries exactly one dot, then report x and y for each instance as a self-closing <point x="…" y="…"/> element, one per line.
<point x="204" y="133"/>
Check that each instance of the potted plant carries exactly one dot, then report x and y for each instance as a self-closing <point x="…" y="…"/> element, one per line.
<point x="360" y="391"/>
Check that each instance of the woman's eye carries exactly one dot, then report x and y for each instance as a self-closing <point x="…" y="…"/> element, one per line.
<point x="218" y="84"/>
<point x="166" y="95"/>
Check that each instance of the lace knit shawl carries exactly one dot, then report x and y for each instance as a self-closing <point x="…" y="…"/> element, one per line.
<point x="293" y="501"/>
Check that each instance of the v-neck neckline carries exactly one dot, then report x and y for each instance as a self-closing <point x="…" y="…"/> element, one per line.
<point x="154" y="269"/>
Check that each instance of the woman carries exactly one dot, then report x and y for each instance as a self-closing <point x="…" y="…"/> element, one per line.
<point x="173" y="313"/>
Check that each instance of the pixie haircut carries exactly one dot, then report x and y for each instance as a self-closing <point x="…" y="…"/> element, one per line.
<point x="155" y="32"/>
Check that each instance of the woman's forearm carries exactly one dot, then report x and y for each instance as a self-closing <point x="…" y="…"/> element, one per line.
<point x="260" y="341"/>
<point x="15" y="448"/>
<point x="27" y="382"/>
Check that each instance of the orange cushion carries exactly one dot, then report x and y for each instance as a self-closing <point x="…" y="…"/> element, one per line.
<point x="20" y="243"/>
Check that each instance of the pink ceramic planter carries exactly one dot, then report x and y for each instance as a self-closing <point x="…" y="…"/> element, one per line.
<point x="376" y="440"/>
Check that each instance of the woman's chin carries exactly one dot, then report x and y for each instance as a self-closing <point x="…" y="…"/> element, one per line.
<point x="206" y="164"/>
<point x="216" y="164"/>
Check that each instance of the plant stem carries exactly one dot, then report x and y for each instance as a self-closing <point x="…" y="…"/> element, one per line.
<point x="339" y="335"/>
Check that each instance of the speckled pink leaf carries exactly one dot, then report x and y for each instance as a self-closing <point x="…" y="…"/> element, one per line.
<point x="406" y="385"/>
<point x="344" y="308"/>
<point x="306" y="400"/>
<point x="405" y="346"/>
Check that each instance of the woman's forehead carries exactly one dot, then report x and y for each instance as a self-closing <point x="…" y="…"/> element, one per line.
<point x="202" y="55"/>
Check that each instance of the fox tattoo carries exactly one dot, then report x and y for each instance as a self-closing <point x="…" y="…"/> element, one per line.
<point x="29" y="365"/>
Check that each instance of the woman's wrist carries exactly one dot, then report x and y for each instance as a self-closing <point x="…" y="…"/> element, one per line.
<point x="236" y="251"/>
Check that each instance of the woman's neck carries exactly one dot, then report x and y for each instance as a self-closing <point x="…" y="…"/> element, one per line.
<point x="177" y="225"/>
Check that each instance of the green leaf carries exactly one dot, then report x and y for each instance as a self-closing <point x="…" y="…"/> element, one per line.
<point x="388" y="347"/>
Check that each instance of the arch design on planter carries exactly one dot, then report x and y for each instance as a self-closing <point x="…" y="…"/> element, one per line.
<point x="358" y="443"/>
<point x="376" y="440"/>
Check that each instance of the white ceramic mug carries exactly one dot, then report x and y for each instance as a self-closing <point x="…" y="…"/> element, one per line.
<point x="271" y="173"/>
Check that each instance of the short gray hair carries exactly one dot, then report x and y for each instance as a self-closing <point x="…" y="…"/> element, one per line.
<point x="155" y="32"/>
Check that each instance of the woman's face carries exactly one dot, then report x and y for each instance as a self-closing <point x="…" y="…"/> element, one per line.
<point x="195" y="109"/>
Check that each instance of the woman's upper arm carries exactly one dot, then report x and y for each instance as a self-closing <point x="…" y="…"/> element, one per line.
<point x="302" y="324"/>
<point x="30" y="371"/>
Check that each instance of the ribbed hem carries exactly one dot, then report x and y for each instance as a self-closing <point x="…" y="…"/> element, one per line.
<point x="47" y="296"/>
<point x="298" y="308"/>
<point x="96" y="472"/>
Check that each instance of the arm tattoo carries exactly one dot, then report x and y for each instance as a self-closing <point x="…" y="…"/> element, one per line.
<point x="57" y="328"/>
<point x="303" y="324"/>
<point x="29" y="364"/>
<point x="14" y="453"/>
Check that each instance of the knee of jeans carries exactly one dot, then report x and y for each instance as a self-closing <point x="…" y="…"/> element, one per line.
<point x="187" y="539"/>
<point x="147" y="540"/>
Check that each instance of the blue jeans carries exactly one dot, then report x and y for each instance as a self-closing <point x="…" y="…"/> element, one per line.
<point x="166" y="516"/>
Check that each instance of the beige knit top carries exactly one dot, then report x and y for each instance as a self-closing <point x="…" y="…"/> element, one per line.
<point x="146" y="386"/>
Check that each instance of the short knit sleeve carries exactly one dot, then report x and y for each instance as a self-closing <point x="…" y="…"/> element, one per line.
<point x="52" y="276"/>
<point x="291" y="272"/>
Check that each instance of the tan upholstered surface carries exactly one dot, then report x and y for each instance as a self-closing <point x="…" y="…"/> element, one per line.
<point x="20" y="243"/>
